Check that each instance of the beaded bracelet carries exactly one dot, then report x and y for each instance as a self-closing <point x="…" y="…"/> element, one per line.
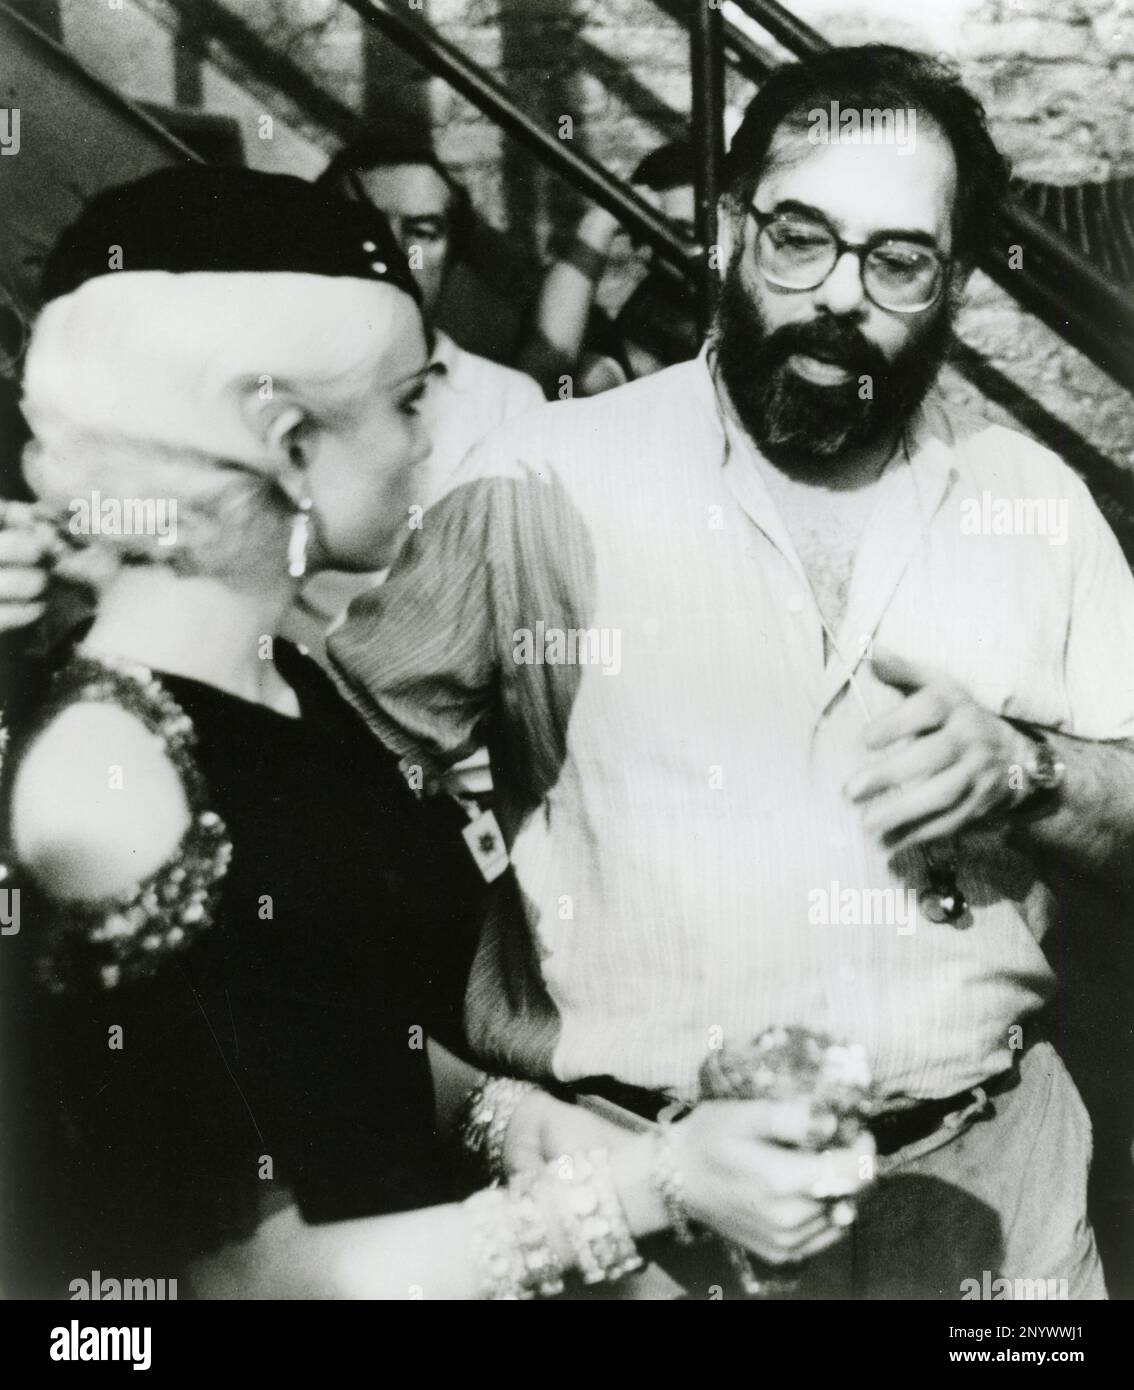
<point x="594" y="1221"/>
<point x="670" y="1186"/>
<point x="513" y="1235"/>
<point x="542" y="1268"/>
<point x="498" y="1248"/>
<point x="484" y="1125"/>
<point x="513" y="1229"/>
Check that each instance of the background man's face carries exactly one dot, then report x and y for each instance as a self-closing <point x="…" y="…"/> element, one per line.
<point x="418" y="205"/>
<point x="813" y="405"/>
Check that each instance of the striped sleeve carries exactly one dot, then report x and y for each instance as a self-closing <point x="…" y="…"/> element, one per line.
<point x="416" y="656"/>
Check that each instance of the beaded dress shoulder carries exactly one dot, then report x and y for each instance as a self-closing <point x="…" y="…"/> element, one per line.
<point x="124" y="938"/>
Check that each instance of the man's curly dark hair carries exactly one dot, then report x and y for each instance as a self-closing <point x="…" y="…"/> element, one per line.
<point x="877" y="77"/>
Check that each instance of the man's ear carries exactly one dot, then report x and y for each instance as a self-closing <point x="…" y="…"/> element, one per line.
<point x="959" y="273"/>
<point x="727" y="234"/>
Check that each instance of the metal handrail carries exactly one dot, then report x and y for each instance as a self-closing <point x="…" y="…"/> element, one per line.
<point x="448" y="62"/>
<point x="706" y="66"/>
<point x="796" y="36"/>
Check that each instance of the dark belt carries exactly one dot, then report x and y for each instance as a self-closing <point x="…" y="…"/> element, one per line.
<point x="892" y="1131"/>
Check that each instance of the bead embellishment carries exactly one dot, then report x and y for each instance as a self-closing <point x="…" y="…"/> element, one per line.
<point x="128" y="937"/>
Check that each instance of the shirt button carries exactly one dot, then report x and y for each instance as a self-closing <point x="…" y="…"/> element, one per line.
<point x="796" y="604"/>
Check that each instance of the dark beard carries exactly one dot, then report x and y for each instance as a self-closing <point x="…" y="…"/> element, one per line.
<point x="797" y="424"/>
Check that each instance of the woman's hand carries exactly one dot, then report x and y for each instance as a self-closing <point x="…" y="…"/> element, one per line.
<point x="28" y="547"/>
<point x="746" y="1173"/>
<point x="543" y="1128"/>
<point x="747" y="1176"/>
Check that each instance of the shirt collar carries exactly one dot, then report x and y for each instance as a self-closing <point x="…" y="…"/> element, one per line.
<point x="447" y="360"/>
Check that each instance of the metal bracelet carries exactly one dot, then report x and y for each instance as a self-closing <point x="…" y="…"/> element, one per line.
<point x="543" y="1269"/>
<point x="669" y="1183"/>
<point x="593" y="1219"/>
<point x="513" y="1239"/>
<point x="488" y="1113"/>
<point x="498" y="1248"/>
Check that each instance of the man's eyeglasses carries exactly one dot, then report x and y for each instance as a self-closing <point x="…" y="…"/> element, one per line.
<point x="797" y="252"/>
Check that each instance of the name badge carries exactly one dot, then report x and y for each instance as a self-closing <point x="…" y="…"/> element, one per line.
<point x="483" y="837"/>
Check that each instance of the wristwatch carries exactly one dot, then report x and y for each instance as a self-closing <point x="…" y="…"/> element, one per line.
<point x="1044" y="771"/>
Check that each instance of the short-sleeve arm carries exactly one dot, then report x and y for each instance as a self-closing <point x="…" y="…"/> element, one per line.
<point x="1099" y="661"/>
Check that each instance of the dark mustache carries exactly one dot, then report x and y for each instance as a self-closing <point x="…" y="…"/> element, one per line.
<point x="828" y="340"/>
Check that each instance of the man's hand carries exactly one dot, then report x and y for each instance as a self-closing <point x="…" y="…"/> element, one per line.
<point x="28" y="547"/>
<point x="940" y="761"/>
<point x="749" y="1177"/>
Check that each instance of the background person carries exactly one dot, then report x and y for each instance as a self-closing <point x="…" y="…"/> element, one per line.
<point x="657" y="324"/>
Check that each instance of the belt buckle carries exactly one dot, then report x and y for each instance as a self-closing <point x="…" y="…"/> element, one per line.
<point x="671" y="1111"/>
<point x="977" y="1108"/>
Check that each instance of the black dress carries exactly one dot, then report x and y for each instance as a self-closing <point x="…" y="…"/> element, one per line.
<point x="282" y="1049"/>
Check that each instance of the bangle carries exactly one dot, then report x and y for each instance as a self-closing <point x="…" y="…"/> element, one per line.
<point x="513" y="1241"/>
<point x="542" y="1268"/>
<point x="593" y="1220"/>
<point x="487" y="1115"/>
<point x="669" y="1184"/>
<point x="497" y="1246"/>
<point x="586" y="260"/>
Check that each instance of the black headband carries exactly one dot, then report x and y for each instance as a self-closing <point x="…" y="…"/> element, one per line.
<point x="204" y="218"/>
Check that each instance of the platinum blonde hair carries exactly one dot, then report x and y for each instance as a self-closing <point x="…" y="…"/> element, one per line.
<point x="148" y="387"/>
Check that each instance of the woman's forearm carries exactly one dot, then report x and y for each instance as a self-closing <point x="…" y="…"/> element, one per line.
<point x="432" y="1253"/>
<point x="427" y="1253"/>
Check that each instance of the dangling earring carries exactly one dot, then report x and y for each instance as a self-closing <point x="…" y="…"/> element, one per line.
<point x="297" y="543"/>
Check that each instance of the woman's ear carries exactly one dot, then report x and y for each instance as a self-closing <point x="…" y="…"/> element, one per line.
<point x="275" y="416"/>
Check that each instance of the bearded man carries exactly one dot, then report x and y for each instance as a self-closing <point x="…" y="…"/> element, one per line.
<point x="779" y="735"/>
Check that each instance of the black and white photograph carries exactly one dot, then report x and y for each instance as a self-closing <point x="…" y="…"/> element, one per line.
<point x="567" y="620"/>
